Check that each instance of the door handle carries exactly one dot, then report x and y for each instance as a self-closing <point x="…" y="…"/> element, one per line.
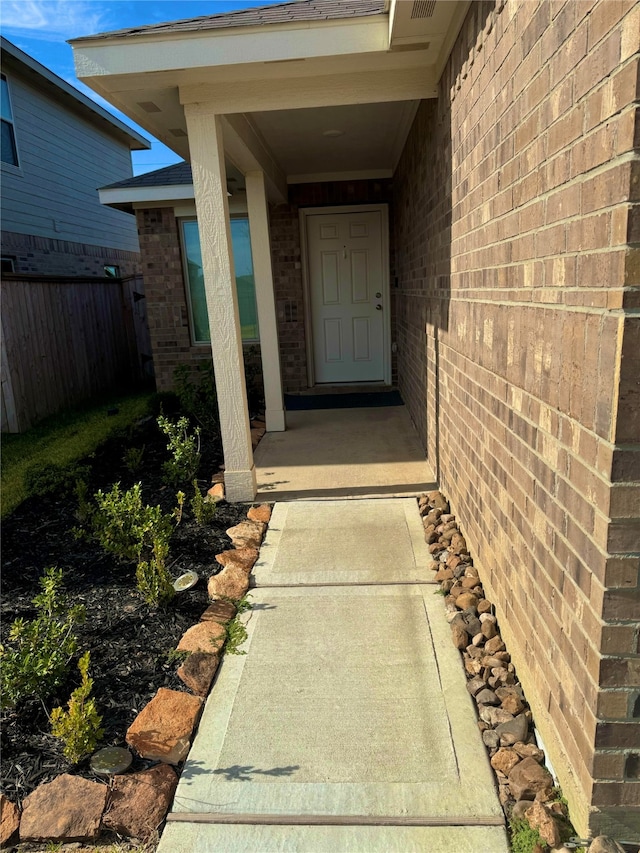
<point x="378" y="307"/>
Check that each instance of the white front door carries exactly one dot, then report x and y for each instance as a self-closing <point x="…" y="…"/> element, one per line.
<point x="347" y="296"/>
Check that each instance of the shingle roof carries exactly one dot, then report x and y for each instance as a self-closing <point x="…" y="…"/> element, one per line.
<point x="177" y="175"/>
<point x="280" y="13"/>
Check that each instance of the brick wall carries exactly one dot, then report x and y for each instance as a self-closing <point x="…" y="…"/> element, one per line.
<point x="46" y="256"/>
<point x="287" y="266"/>
<point x="516" y="235"/>
<point x="167" y="304"/>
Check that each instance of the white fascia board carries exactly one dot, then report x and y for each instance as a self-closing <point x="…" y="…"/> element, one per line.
<point x="183" y="51"/>
<point x="319" y="177"/>
<point x="247" y="96"/>
<point x="133" y="195"/>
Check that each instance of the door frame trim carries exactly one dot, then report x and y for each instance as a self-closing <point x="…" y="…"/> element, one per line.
<point x="383" y="210"/>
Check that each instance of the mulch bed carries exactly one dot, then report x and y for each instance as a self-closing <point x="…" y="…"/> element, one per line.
<point x="129" y="641"/>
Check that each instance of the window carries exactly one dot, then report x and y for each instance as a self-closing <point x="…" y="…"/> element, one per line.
<point x="8" y="264"/>
<point x="245" y="284"/>
<point x="8" y="150"/>
<point x="111" y="270"/>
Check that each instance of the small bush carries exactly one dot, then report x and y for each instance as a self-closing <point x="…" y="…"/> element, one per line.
<point x="53" y="478"/>
<point x="138" y="533"/>
<point x="125" y="526"/>
<point x="203" y="509"/>
<point x="132" y="459"/>
<point x="184" y="448"/>
<point x="37" y="661"/>
<point x="80" y="727"/>
<point x="152" y="577"/>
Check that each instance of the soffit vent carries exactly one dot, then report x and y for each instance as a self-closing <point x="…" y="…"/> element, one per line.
<point x="423" y="9"/>
<point x="149" y="107"/>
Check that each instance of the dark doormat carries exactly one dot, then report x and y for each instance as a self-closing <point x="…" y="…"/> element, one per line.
<point x="373" y="399"/>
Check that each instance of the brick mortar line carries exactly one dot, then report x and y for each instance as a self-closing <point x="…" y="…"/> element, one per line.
<point x="557" y="307"/>
<point x="451" y="294"/>
<point x="579" y="217"/>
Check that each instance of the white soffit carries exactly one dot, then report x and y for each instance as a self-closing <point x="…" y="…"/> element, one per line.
<point x="369" y="145"/>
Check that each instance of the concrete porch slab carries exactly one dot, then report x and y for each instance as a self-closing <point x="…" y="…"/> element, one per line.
<point x="345" y="541"/>
<point x="342" y="453"/>
<point x="351" y="702"/>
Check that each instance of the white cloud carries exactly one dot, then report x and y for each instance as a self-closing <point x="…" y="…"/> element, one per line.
<point x="52" y="19"/>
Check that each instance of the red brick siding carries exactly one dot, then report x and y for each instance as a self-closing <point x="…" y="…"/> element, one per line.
<point x="515" y="218"/>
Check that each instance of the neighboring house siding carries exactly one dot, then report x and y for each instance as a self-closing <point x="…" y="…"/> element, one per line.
<point x="513" y="206"/>
<point x="63" y="159"/>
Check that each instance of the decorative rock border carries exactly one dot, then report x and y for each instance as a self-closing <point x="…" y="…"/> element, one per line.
<point x="525" y="786"/>
<point x="134" y="805"/>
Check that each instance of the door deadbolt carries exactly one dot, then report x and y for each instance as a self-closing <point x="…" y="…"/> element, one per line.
<point x="378" y="295"/>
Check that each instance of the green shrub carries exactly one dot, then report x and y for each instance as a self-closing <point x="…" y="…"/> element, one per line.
<point x="132" y="459"/>
<point x="53" y="478"/>
<point x="37" y="660"/>
<point x="184" y="448"/>
<point x="152" y="577"/>
<point x="79" y="727"/>
<point x="203" y="508"/>
<point x="138" y="533"/>
<point x="125" y="526"/>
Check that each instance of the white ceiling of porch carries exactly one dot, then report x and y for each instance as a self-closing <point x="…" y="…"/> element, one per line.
<point x="372" y="138"/>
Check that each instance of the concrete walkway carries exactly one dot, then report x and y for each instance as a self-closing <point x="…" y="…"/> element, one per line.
<point x="347" y="726"/>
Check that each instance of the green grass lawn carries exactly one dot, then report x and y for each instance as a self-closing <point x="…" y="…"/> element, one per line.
<point x="62" y="440"/>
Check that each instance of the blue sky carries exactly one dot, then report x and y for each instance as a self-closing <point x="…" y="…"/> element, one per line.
<point x="42" y="27"/>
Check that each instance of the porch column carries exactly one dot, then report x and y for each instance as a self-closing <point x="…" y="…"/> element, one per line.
<point x="265" y="300"/>
<point x="210" y="188"/>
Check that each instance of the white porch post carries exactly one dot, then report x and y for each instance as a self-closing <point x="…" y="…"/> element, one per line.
<point x="265" y="300"/>
<point x="210" y="188"/>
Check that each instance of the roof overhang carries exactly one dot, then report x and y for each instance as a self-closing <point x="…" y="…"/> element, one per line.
<point x="243" y="72"/>
<point x="127" y="198"/>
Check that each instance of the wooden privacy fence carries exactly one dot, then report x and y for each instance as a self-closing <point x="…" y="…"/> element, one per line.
<point x="65" y="340"/>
